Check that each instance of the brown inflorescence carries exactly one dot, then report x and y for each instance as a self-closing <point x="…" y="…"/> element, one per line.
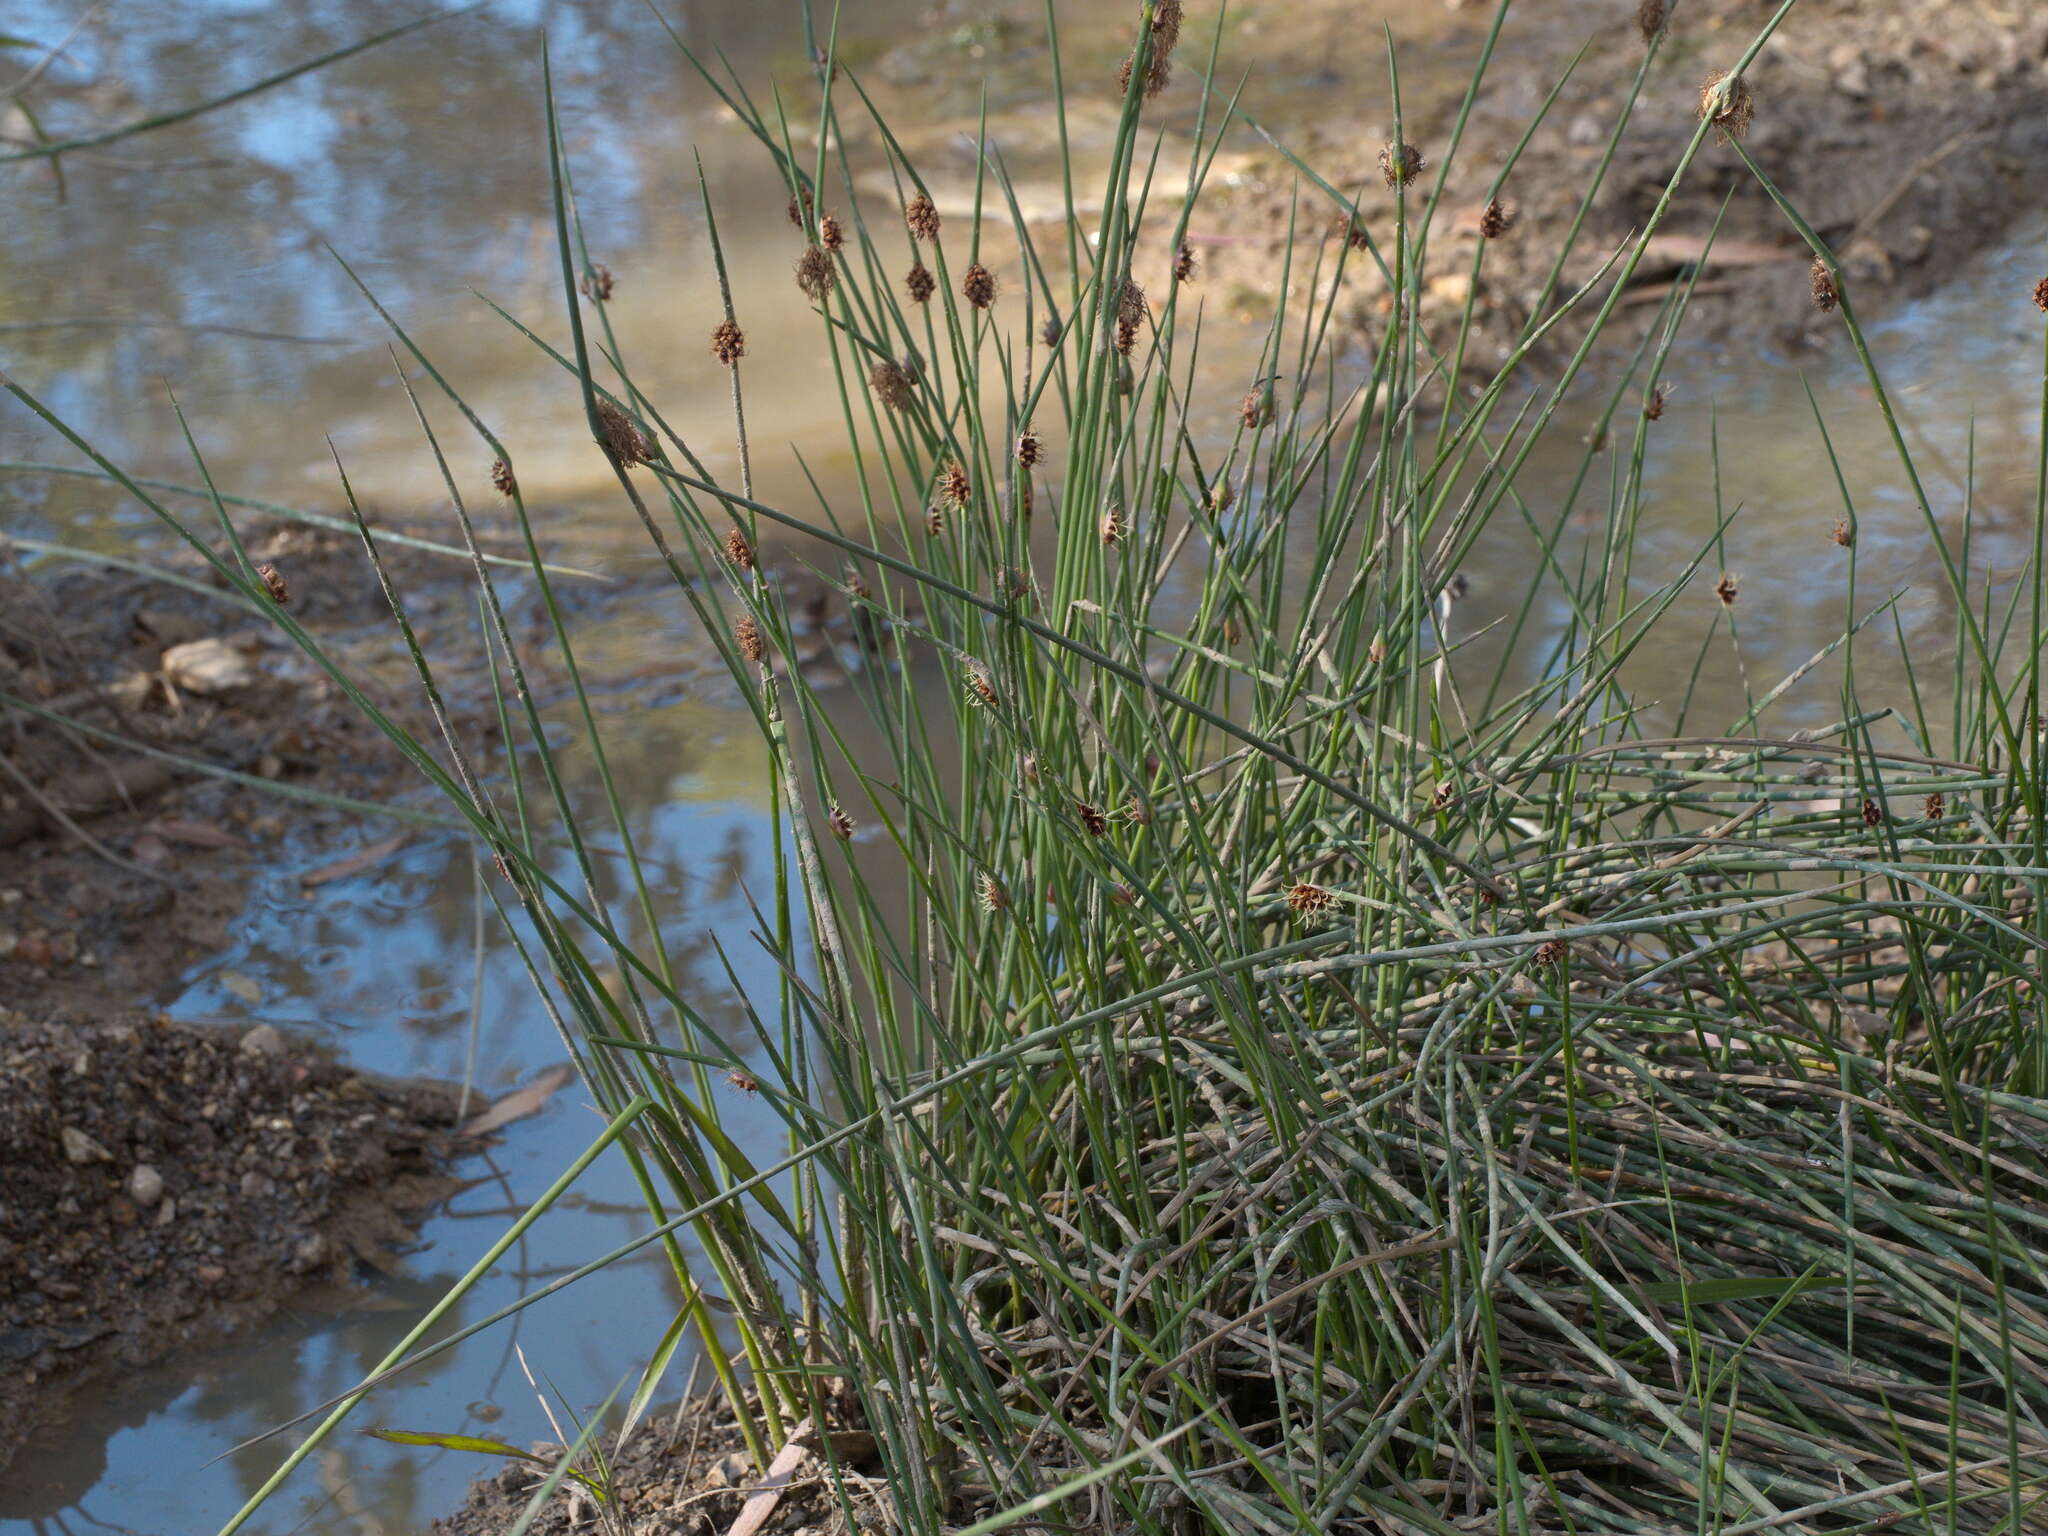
<point x="978" y="287"/>
<point x="739" y="551"/>
<point x="840" y="823"/>
<point x="922" y="218"/>
<point x="1734" y="115"/>
<point x="815" y="274"/>
<point x="745" y="1082"/>
<point x="934" y="520"/>
<point x="1113" y="526"/>
<point x="1935" y="806"/>
<point x="892" y="386"/>
<point x="2041" y="294"/>
<point x="597" y="282"/>
<point x="1049" y="331"/>
<point x="1844" y="535"/>
<point x="1550" y="952"/>
<point x="623" y="439"/>
<point x="1825" y="294"/>
<point x="1184" y="263"/>
<point x="273" y="583"/>
<point x="1728" y="588"/>
<point x="501" y="479"/>
<point x="981" y="689"/>
<point x="1873" y="815"/>
<point x="1096" y="823"/>
<point x="1650" y="19"/>
<point x="1028" y="447"/>
<point x="993" y="897"/>
<point x="1400" y="164"/>
<point x="800" y="207"/>
<point x="1306" y="899"/>
<point x="1257" y="408"/>
<point x="919" y="283"/>
<point x="831" y="234"/>
<point x="1446" y="793"/>
<point x="954" y="484"/>
<point x="1496" y="219"/>
<point x="1653" y="408"/>
<point x="728" y="342"/>
<point x="747" y="635"/>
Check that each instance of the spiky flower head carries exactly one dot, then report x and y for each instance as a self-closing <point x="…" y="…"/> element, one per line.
<point x="623" y="439"/>
<point x="1400" y="164"/>
<point x="993" y="897"/>
<point x="1936" y="806"/>
<point x="1049" y="331"/>
<point x="1028" y="447"/>
<point x="1728" y="103"/>
<point x="502" y="481"/>
<point x="1306" y="899"/>
<point x="1551" y="952"/>
<point x="597" y="282"/>
<point x="954" y="484"/>
<point x="2041" y="294"/>
<point x="831" y="233"/>
<point x="978" y="287"/>
<point x="1497" y="219"/>
<point x="1113" y="525"/>
<point x="981" y="689"/>
<point x="1650" y="16"/>
<point x="1873" y="814"/>
<point x="815" y="274"/>
<point x="919" y="283"/>
<point x="800" y="207"/>
<point x="1728" y="588"/>
<point x="745" y="1082"/>
<point x="728" y="342"/>
<point x="1653" y="408"/>
<point x="840" y="823"/>
<point x="739" y="551"/>
<point x="1092" y="819"/>
<point x="922" y="217"/>
<point x="1184" y="263"/>
<point x="274" y="586"/>
<point x="1825" y="294"/>
<point x="746" y="635"/>
<point x="892" y="386"/>
<point x="1844" y="534"/>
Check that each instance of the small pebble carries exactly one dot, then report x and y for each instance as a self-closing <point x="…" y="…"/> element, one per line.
<point x="145" y="1185"/>
<point x="81" y="1149"/>
<point x="263" y="1040"/>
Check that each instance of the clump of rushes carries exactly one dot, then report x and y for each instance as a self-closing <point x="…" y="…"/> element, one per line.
<point x="597" y="282"/>
<point x="1305" y="899"/>
<point x="274" y="586"/>
<point x="1825" y="295"/>
<point x="2041" y="294"/>
<point x="892" y="385"/>
<point x="1731" y="109"/>
<point x="739" y="551"/>
<point x="840" y="823"/>
<point x="623" y="439"/>
<point x="993" y="897"/>
<point x="1496" y="219"/>
<point x="831" y="234"/>
<point x="746" y="635"/>
<point x="919" y="283"/>
<point x="954" y="485"/>
<point x="815" y="274"/>
<point x="922" y="218"/>
<point x="1844" y="534"/>
<point x="1650" y="18"/>
<point x="1728" y="588"/>
<point x="978" y="287"/>
<point x="728" y="342"/>
<point x="1400" y="164"/>
<point x="1184" y="263"/>
<point x="502" y="481"/>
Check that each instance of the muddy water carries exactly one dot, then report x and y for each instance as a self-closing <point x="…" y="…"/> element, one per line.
<point x="421" y="163"/>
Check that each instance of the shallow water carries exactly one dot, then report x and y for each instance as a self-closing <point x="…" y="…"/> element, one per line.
<point x="422" y="163"/>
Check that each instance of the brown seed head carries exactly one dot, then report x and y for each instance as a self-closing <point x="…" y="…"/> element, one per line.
<point x="1376" y="653"/>
<point x="1123" y="895"/>
<point x="1126" y="335"/>
<point x="1126" y="381"/>
<point x="1222" y="497"/>
<point x="831" y="234"/>
<point x="728" y="342"/>
<point x="1350" y="228"/>
<point x="1233" y="632"/>
<point x="1028" y="448"/>
<point x="1936" y="806"/>
<point x="501" y="479"/>
<point x="746" y="1082"/>
<point x="1653" y="408"/>
<point x="1551" y="952"/>
<point x="993" y="897"/>
<point x="1400" y="164"/>
<point x="2041" y="294"/>
<point x="954" y="484"/>
<point x="739" y="551"/>
<point x="922" y="218"/>
<point x="840" y="823"/>
<point x="1733" y="115"/>
<point x="1728" y="588"/>
<point x="1650" y="18"/>
<point x="623" y="439"/>
<point x="1497" y="219"/>
<point x="1843" y="535"/>
<point x="1096" y="823"/>
<point x="934" y="520"/>
<point x="800" y="207"/>
<point x="981" y="689"/>
<point x="978" y="287"/>
<point x="747" y="635"/>
<point x="815" y="274"/>
<point x="1184" y="263"/>
<point x="273" y="583"/>
<point x="1825" y="294"/>
<point x="892" y="386"/>
<point x="1307" y="899"/>
<point x="1049" y="331"/>
<point x="1446" y="793"/>
<point x="919" y="283"/>
<point x="1113" y="526"/>
<point x="1027" y="766"/>
<point x="1257" y="409"/>
<point x="597" y="282"/>
<point x="1139" y="812"/>
<point x="1873" y="815"/>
